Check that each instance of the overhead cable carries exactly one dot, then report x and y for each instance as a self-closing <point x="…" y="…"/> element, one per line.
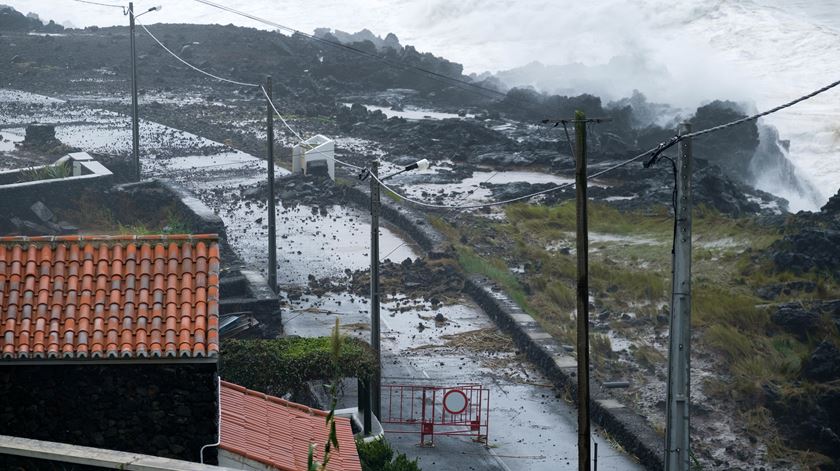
<point x="481" y="90"/>
<point x="101" y="4"/>
<point x="283" y="120"/>
<point x="270" y="102"/>
<point x="245" y="84"/>
<point x="666" y="144"/>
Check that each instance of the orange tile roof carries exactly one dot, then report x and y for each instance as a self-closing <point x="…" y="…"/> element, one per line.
<point x="105" y="297"/>
<point x="278" y="433"/>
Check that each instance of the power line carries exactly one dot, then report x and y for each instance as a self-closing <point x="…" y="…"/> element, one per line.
<point x="432" y="74"/>
<point x="654" y="153"/>
<point x="666" y="144"/>
<point x="283" y="120"/>
<point x="101" y="4"/>
<point x="192" y="66"/>
<point x="279" y="115"/>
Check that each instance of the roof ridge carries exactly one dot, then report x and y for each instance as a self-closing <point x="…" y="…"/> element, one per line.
<point x="108" y="238"/>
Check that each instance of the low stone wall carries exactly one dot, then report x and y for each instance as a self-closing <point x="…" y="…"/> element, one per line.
<point x="161" y="409"/>
<point x="17" y="197"/>
<point x="23" y="463"/>
<point x="26" y="454"/>
<point x="152" y="195"/>
<point x="628" y="428"/>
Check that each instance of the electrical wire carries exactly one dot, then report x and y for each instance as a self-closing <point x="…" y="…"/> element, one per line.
<point x="262" y="88"/>
<point x="270" y="102"/>
<point x="463" y="84"/>
<point x="245" y="84"/>
<point x="518" y="198"/>
<point x="101" y="4"/>
<point x="666" y="144"/>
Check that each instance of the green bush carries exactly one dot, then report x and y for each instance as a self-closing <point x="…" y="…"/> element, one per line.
<point x="278" y="366"/>
<point x="378" y="455"/>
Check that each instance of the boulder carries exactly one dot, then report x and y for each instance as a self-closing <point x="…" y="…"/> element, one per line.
<point x="823" y="364"/>
<point x="42" y="211"/>
<point x="791" y="288"/>
<point x="796" y="319"/>
<point x="812" y="248"/>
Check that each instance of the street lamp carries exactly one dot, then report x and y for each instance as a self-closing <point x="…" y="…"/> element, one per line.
<point x="375" y="204"/>
<point x="135" y="121"/>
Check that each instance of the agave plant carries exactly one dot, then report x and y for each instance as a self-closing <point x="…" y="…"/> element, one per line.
<point x="49" y="172"/>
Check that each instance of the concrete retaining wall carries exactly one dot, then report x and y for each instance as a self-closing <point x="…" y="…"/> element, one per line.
<point x="25" y="454"/>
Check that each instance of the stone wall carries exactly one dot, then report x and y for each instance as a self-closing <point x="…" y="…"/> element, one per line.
<point x="628" y="428"/>
<point x="163" y="409"/>
<point x="23" y="463"/>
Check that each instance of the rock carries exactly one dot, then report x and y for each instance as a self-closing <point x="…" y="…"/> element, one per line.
<point x="796" y="319"/>
<point x="823" y="364"/>
<point x="832" y="207"/>
<point x="65" y="228"/>
<point x="39" y="135"/>
<point x="42" y="211"/>
<point x="812" y="248"/>
<point x="792" y="288"/>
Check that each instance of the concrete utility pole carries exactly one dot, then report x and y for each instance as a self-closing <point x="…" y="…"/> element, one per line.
<point x="135" y="120"/>
<point x="679" y="349"/>
<point x="272" y="226"/>
<point x="582" y="293"/>
<point x="376" y="382"/>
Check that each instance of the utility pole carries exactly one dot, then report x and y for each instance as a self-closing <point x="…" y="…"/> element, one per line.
<point x="679" y="344"/>
<point x="582" y="293"/>
<point x="135" y="120"/>
<point x="376" y="383"/>
<point x="272" y="227"/>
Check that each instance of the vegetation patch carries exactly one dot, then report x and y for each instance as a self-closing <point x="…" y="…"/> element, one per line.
<point x="280" y="366"/>
<point x="378" y="455"/>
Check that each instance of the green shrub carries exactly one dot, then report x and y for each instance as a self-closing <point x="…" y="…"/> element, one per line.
<point x="378" y="455"/>
<point x="278" y="366"/>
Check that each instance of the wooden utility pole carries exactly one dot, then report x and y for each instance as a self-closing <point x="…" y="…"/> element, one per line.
<point x="272" y="225"/>
<point x="376" y="381"/>
<point x="677" y="457"/>
<point x="135" y="119"/>
<point x="582" y="293"/>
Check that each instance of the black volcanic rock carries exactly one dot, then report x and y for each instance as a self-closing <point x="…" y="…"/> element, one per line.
<point x="796" y="319"/>
<point x="823" y="364"/>
<point x="13" y="20"/>
<point x="730" y="149"/>
<point x="812" y="248"/>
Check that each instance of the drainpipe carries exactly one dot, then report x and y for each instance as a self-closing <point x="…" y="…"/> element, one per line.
<point x="218" y="421"/>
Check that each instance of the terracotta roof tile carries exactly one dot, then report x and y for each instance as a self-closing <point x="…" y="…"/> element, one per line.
<point x="109" y="297"/>
<point x="278" y="433"/>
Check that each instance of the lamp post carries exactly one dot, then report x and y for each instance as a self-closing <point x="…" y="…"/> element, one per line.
<point x="135" y="121"/>
<point x="375" y="204"/>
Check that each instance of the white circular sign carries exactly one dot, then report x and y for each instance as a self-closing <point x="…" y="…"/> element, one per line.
<point x="455" y="401"/>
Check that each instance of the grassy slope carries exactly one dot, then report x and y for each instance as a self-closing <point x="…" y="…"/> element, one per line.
<point x="630" y="263"/>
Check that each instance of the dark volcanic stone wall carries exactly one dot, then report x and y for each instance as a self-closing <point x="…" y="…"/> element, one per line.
<point x="165" y="410"/>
